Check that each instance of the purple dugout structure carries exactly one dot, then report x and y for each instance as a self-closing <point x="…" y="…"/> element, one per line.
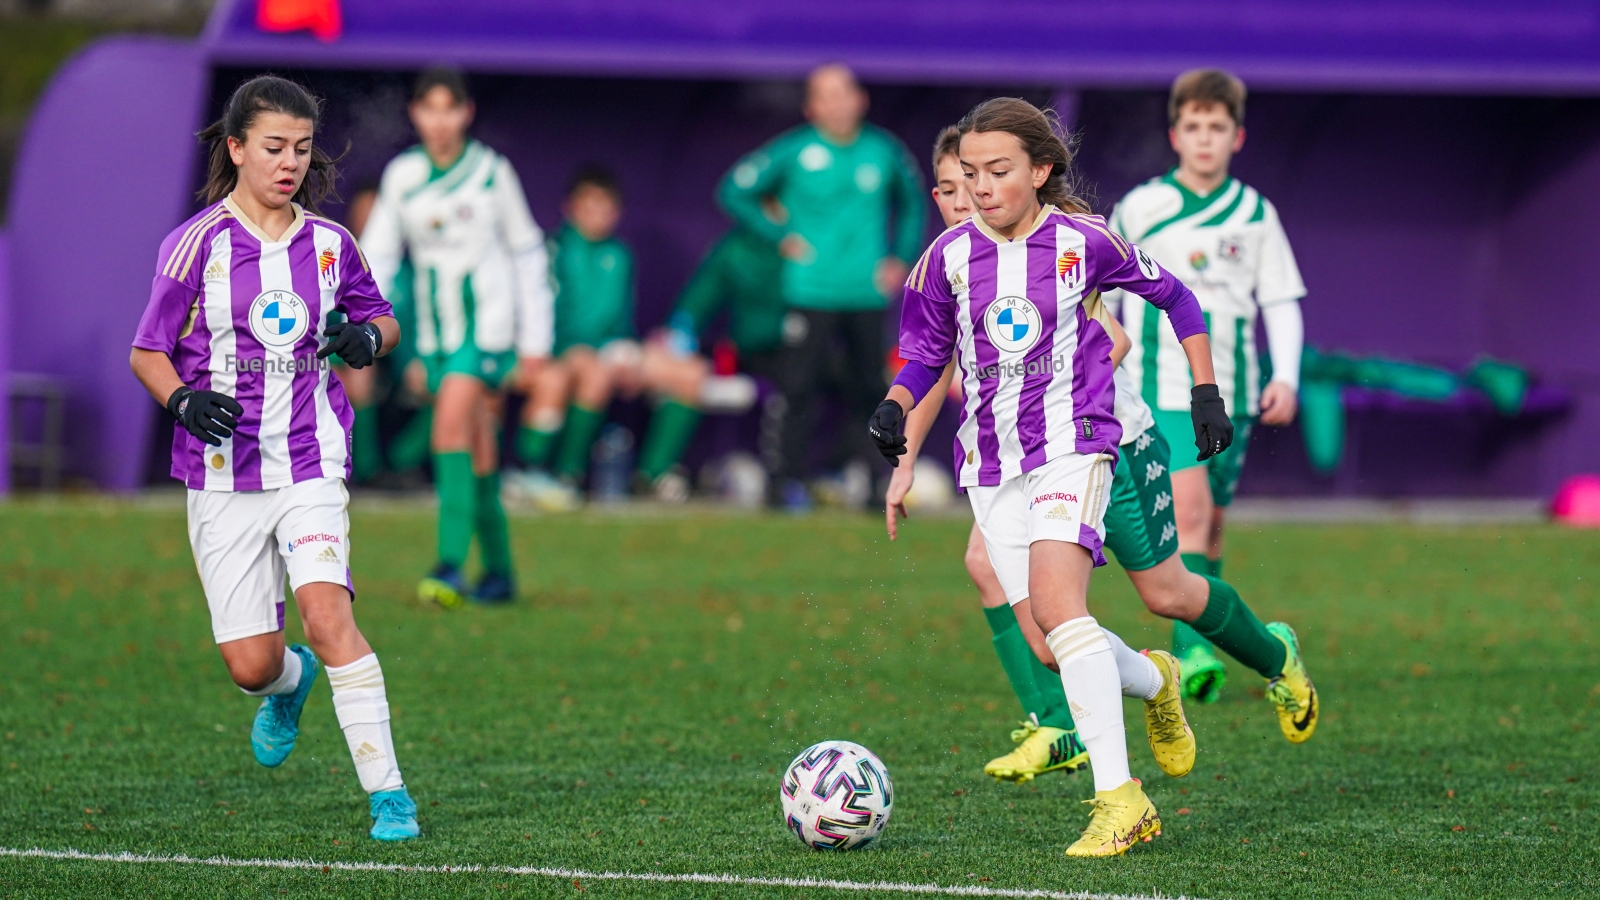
<point x="1437" y="166"/>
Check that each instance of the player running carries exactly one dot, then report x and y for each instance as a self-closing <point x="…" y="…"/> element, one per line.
<point x="1013" y="294"/>
<point x="235" y="342"/>
<point x="1223" y="240"/>
<point x="483" y="298"/>
<point x="1141" y="533"/>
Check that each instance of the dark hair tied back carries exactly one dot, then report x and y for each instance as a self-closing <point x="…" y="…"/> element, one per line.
<point x="1041" y="136"/>
<point x="265" y="94"/>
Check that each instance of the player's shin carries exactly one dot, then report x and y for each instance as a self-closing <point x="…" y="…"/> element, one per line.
<point x="537" y="438"/>
<point x="1089" y="677"/>
<point x="1015" y="656"/>
<point x="1231" y="625"/>
<point x="458" y="500"/>
<point x="672" y="426"/>
<point x="572" y="460"/>
<point x="362" y="706"/>
<point x="494" y="538"/>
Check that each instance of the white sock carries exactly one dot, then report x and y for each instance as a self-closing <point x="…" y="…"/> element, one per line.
<point x="1094" y="691"/>
<point x="1140" y="677"/>
<point x="287" y="680"/>
<point x="548" y="420"/>
<point x="363" y="710"/>
<point x="727" y="393"/>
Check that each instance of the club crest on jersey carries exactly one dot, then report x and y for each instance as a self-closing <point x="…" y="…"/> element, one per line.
<point x="1065" y="263"/>
<point x="1013" y="324"/>
<point x="1231" y="249"/>
<point x="328" y="268"/>
<point x="279" y="318"/>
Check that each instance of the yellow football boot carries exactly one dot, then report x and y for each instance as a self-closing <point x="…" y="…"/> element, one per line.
<point x="1292" y="692"/>
<point x="1041" y="749"/>
<point x="1120" y="818"/>
<point x="1171" y="739"/>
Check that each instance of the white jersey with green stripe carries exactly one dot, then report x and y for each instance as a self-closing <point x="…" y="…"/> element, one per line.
<point x="1230" y="249"/>
<point x="482" y="270"/>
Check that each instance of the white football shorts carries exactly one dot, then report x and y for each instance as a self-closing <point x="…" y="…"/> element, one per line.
<point x="247" y="542"/>
<point x="1063" y="500"/>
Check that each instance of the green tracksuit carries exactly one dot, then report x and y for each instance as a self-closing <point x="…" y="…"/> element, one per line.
<point x="594" y="290"/>
<point x="741" y="273"/>
<point x="840" y="199"/>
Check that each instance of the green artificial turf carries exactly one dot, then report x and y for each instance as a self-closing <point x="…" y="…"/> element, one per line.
<point x="632" y="711"/>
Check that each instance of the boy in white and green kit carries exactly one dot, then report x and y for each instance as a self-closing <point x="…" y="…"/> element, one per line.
<point x="1223" y="239"/>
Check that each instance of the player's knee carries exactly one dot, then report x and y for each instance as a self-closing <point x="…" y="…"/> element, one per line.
<point x="978" y="566"/>
<point x="1162" y="600"/>
<point x="254" y="674"/>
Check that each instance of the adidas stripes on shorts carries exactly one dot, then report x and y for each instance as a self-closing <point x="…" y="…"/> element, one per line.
<point x="246" y="543"/>
<point x="1063" y="500"/>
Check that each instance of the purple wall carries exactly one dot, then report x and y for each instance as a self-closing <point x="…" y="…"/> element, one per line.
<point x="1389" y="45"/>
<point x="1421" y="226"/>
<point x="1543" y="302"/>
<point x="1412" y="215"/>
<point x="5" y="362"/>
<point x="103" y="174"/>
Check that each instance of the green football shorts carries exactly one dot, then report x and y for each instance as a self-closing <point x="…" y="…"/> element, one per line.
<point x="1222" y="470"/>
<point x="493" y="369"/>
<point x="1140" y="529"/>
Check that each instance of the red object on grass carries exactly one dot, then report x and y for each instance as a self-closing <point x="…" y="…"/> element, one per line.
<point x="321" y="17"/>
<point x="1577" y="502"/>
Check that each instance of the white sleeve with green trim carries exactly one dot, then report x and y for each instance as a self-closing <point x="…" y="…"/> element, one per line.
<point x="1229" y="248"/>
<point x="534" y="298"/>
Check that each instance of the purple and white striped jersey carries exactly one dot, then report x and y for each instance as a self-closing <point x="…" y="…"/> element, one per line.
<point x="1022" y="317"/>
<point x="243" y="315"/>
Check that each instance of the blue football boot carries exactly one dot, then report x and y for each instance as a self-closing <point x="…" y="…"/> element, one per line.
<point x="394" y="816"/>
<point x="277" y="722"/>
<point x="494" y="589"/>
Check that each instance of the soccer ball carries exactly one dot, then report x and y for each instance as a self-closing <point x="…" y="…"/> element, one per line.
<point x="836" y="796"/>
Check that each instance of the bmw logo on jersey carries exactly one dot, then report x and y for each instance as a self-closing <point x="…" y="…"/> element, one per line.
<point x="1013" y="324"/>
<point x="279" y="318"/>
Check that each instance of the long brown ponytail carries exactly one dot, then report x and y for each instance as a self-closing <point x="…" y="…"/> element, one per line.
<point x="265" y="93"/>
<point x="1039" y="132"/>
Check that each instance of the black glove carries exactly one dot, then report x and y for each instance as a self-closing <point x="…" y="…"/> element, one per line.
<point x="207" y="415"/>
<point x="1213" y="430"/>
<point x="357" y="345"/>
<point x="884" y="426"/>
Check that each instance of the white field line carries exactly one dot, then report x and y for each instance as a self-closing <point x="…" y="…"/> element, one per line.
<point x="960" y="890"/>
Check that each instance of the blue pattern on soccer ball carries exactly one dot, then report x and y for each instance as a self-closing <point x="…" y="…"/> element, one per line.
<point x="1007" y="320"/>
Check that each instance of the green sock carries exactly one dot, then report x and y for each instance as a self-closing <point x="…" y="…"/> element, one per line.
<point x="366" y="450"/>
<point x="1055" y="714"/>
<point x="533" y="446"/>
<point x="671" y="428"/>
<point x="1014" y="653"/>
<point x="1214" y="567"/>
<point x="411" y="446"/>
<point x="572" y="460"/>
<point x="458" y="495"/>
<point x="1184" y="638"/>
<point x="494" y="538"/>
<point x="1235" y="628"/>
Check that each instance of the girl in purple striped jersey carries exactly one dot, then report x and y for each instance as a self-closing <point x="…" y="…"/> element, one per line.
<point x="1012" y="294"/>
<point x="235" y="342"/>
